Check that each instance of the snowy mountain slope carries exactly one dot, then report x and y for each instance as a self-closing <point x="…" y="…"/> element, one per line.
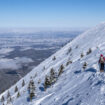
<point x="75" y="86"/>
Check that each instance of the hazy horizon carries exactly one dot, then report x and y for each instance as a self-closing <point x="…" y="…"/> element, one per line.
<point x="35" y="30"/>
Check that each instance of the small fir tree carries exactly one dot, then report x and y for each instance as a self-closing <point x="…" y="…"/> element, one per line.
<point x="31" y="89"/>
<point x="68" y="62"/>
<point x="60" y="70"/>
<point x="89" y="51"/>
<point x="16" y="89"/>
<point x="54" y="58"/>
<point x="82" y="55"/>
<point x="9" y="100"/>
<point x="84" y="65"/>
<point x="47" y="82"/>
<point x="69" y="50"/>
<point x="2" y="99"/>
<point x="53" y="76"/>
<point x="18" y="95"/>
<point x="8" y="95"/>
<point x="23" y="83"/>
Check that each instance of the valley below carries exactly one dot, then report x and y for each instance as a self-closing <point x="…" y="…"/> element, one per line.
<point x="20" y="53"/>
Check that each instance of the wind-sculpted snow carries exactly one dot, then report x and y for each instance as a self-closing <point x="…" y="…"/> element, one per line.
<point x="75" y="86"/>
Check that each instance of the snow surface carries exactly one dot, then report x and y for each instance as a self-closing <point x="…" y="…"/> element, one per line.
<point x="37" y="102"/>
<point x="75" y="86"/>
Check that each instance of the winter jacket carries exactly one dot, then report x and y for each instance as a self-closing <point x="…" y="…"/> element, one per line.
<point x="102" y="59"/>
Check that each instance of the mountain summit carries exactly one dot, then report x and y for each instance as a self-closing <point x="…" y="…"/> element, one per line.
<point x="69" y="77"/>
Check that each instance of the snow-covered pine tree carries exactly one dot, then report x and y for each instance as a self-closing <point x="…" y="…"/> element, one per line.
<point x="69" y="50"/>
<point x="47" y="82"/>
<point x="9" y="100"/>
<point x="89" y="51"/>
<point x="2" y="99"/>
<point x="53" y="76"/>
<point x="82" y="55"/>
<point x="68" y="62"/>
<point x="60" y="70"/>
<point x="54" y="58"/>
<point x="8" y="95"/>
<point x="84" y="65"/>
<point x="28" y="86"/>
<point x="16" y="89"/>
<point x="18" y="94"/>
<point x="31" y="89"/>
<point x="23" y="83"/>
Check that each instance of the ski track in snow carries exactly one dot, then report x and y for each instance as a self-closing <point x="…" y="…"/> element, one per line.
<point x="37" y="102"/>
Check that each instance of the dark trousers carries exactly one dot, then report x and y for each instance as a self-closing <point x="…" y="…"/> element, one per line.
<point x="102" y="66"/>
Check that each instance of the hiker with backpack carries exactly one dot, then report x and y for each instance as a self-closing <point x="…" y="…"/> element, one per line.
<point x="101" y="62"/>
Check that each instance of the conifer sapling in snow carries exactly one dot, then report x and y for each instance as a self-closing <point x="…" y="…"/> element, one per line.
<point x="69" y="50"/>
<point x="2" y="99"/>
<point x="82" y="55"/>
<point x="31" y="89"/>
<point x="8" y="94"/>
<point x="68" y="62"/>
<point x="9" y="99"/>
<point x="18" y="94"/>
<point x="28" y="87"/>
<point x="16" y="89"/>
<point x="53" y="76"/>
<point x="60" y="70"/>
<point x="23" y="83"/>
<point x="47" y="82"/>
<point x="89" y="51"/>
<point x="84" y="65"/>
<point x="54" y="58"/>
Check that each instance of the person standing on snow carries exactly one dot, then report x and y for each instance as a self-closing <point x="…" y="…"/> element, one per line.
<point x="101" y="62"/>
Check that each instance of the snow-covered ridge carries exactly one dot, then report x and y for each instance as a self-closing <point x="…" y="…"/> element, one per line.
<point x="74" y="86"/>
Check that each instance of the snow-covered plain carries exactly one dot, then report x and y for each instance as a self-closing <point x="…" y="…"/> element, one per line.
<point x="75" y="86"/>
<point x="14" y="64"/>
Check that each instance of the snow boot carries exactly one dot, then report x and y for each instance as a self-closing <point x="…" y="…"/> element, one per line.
<point x="101" y="70"/>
